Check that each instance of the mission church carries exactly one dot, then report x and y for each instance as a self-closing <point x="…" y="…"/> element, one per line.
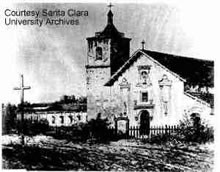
<point x="147" y="87"/>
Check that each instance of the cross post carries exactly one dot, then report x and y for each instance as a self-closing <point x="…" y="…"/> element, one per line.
<point x="22" y="88"/>
<point x="143" y="43"/>
<point x="110" y="5"/>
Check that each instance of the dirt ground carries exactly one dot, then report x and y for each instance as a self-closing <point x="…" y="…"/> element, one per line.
<point x="46" y="153"/>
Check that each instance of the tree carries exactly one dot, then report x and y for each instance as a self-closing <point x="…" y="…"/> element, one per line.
<point x="193" y="129"/>
<point x="10" y="118"/>
<point x="99" y="128"/>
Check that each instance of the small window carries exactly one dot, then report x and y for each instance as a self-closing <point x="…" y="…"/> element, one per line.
<point x="53" y="119"/>
<point x="144" y="74"/>
<point x="144" y="77"/>
<point x="98" y="53"/>
<point x="71" y="119"/>
<point x="62" y="119"/>
<point x="145" y="97"/>
<point x="79" y="117"/>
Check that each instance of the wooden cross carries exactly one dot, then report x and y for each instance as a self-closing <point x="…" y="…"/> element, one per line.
<point x="110" y="5"/>
<point x="22" y="88"/>
<point x="143" y="42"/>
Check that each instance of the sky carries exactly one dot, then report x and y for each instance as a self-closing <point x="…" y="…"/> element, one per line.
<point x="53" y="58"/>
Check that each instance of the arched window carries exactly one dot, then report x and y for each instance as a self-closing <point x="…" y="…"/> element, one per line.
<point x="144" y="75"/>
<point x="98" y="53"/>
<point x="53" y="119"/>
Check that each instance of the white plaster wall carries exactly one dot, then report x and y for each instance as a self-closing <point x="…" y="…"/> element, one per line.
<point x="49" y="117"/>
<point x="97" y="94"/>
<point x="97" y="76"/>
<point x="156" y="73"/>
<point x="191" y="105"/>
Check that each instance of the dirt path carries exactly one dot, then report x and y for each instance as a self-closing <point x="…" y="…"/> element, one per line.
<point x="51" y="154"/>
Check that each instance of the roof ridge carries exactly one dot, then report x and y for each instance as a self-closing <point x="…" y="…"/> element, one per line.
<point x="191" y="70"/>
<point x="175" y="55"/>
<point x="197" y="99"/>
<point x="163" y="66"/>
<point x="123" y="65"/>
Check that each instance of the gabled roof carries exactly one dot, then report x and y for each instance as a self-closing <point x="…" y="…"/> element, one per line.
<point x="193" y="71"/>
<point x="208" y="98"/>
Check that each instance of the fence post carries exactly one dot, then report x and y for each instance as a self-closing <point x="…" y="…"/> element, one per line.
<point x="171" y="128"/>
<point x="129" y="131"/>
<point x="175" y="128"/>
<point x="151" y="131"/>
<point x="132" y="135"/>
<point x="127" y="128"/>
<point x="155" y="130"/>
<point x="134" y="131"/>
<point x="166" y="128"/>
<point x="159" y="129"/>
<point x="116" y="127"/>
<point x="137" y="131"/>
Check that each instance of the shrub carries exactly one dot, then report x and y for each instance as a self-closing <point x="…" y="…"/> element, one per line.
<point x="189" y="130"/>
<point x="8" y="119"/>
<point x="96" y="130"/>
<point x="32" y="128"/>
<point x="99" y="128"/>
<point x="194" y="130"/>
<point x="76" y="132"/>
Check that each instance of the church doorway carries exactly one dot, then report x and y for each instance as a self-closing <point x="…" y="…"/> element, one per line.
<point x="144" y="123"/>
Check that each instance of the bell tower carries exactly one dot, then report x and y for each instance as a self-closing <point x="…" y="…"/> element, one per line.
<point x="107" y="52"/>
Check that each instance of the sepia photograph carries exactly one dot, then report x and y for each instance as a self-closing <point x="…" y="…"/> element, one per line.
<point x="107" y="86"/>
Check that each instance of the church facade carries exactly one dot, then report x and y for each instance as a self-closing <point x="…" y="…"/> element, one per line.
<point x="148" y="87"/>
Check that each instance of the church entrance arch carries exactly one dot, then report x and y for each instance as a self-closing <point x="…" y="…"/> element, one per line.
<point x="144" y="123"/>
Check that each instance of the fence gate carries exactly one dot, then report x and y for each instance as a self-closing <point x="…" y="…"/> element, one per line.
<point x="122" y="126"/>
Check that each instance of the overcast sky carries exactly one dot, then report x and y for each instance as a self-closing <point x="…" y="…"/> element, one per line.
<point x="52" y="58"/>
